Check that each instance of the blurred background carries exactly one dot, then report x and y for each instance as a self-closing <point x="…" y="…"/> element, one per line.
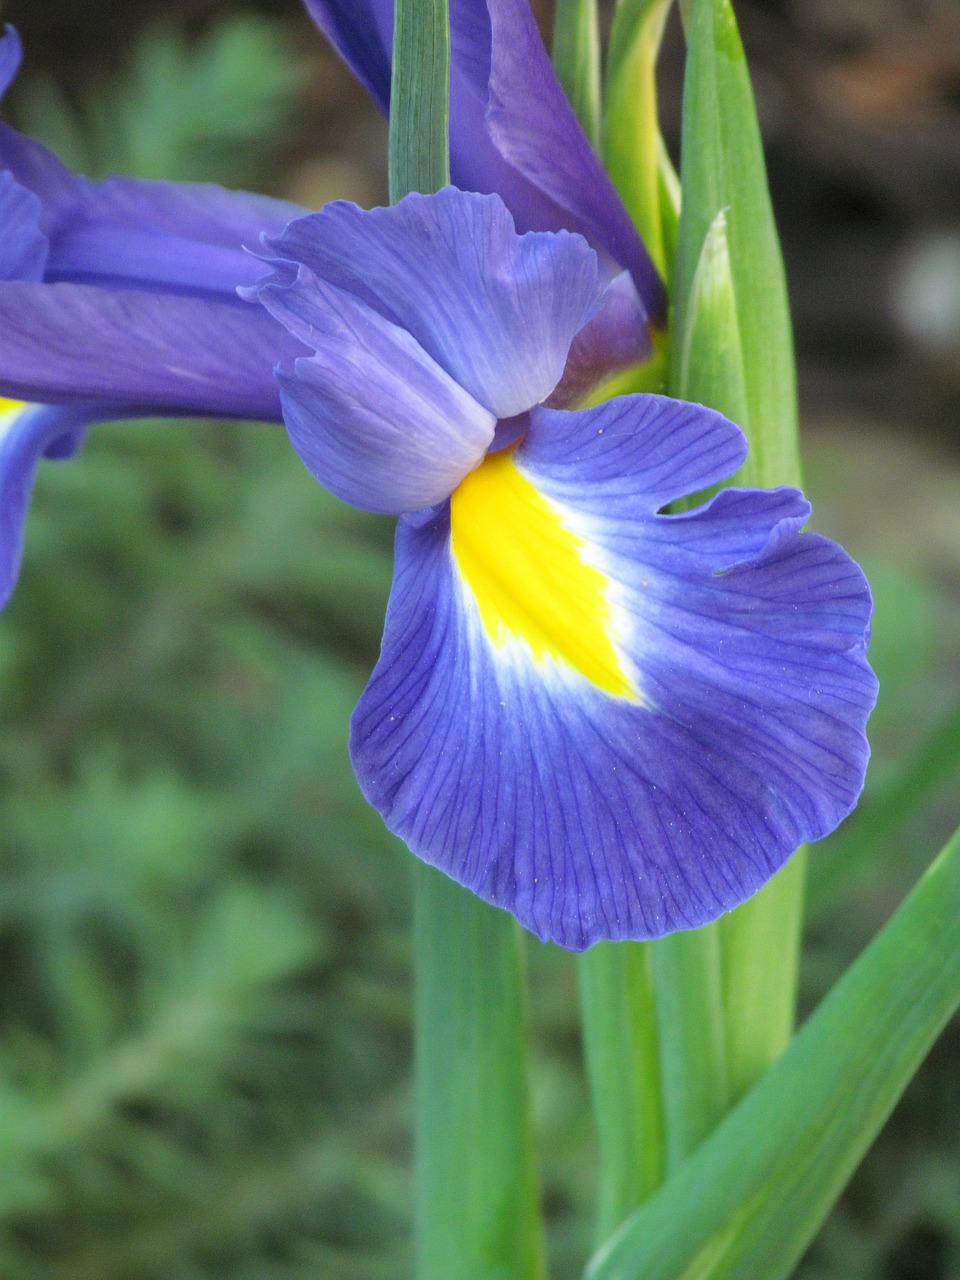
<point x="205" y="1002"/>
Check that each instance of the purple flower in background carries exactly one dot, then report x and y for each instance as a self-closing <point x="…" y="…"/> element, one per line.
<point x="611" y="721"/>
<point x="514" y="133"/>
<point x="118" y="299"/>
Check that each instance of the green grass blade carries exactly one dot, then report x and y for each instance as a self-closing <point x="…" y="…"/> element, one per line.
<point x="690" y="1025"/>
<point x="420" y="98"/>
<point x="632" y="147"/>
<point x="623" y="1066"/>
<point x="476" y="1208"/>
<point x="733" y="349"/>
<point x="723" y="170"/>
<point x="748" y="1203"/>
<point x="576" y="57"/>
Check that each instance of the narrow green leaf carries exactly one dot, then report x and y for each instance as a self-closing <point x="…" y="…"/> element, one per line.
<point x="632" y="147"/>
<point x="476" y="1195"/>
<point x="733" y="349"/>
<point x="750" y="1200"/>
<point x="686" y="968"/>
<point x="760" y="950"/>
<point x="723" y="170"/>
<point x="476" y="1208"/>
<point x="576" y="57"/>
<point x="711" y="355"/>
<point x="620" y="1043"/>
<point x="420" y="98"/>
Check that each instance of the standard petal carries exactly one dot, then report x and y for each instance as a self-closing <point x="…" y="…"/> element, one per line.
<point x="625" y="797"/>
<point x="534" y="128"/>
<point x="28" y="433"/>
<point x="616" y="338"/>
<point x="497" y="311"/>
<point x="149" y="353"/>
<point x="512" y="129"/>
<point x="362" y="33"/>
<point x="373" y="417"/>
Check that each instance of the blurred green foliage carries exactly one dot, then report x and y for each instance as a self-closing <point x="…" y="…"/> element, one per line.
<point x="204" y="1018"/>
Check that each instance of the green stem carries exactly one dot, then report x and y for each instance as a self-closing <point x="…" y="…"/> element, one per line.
<point x="476" y="1211"/>
<point x="419" y="158"/>
<point x="686" y="968"/>
<point x="476" y="1206"/>
<point x="760" y="945"/>
<point x="620" y="1044"/>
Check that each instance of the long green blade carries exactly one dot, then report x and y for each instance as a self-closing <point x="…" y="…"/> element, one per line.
<point x="747" y="1204"/>
<point x="724" y="171"/>
<point x="632" y="148"/>
<point x="733" y="350"/>
<point x="476" y="1208"/>
<point x="419" y="98"/>
<point x="477" y="1215"/>
<point x="576" y="57"/>
<point x="693" y="1064"/>
<point x="623" y="1066"/>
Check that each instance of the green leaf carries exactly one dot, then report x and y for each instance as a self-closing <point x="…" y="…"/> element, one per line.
<point x="476" y="1193"/>
<point x="733" y="350"/>
<point x="576" y="57"/>
<point x="748" y="1203"/>
<point x="723" y="171"/>
<point x="476" y="1211"/>
<point x="711" y="356"/>
<point x="623" y="1066"/>
<point x="632" y="147"/>
<point x="420" y="98"/>
<point x="687" y="976"/>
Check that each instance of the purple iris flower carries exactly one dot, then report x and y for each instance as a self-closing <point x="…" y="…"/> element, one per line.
<point x="118" y="299"/>
<point x="612" y="721"/>
<point x="514" y="133"/>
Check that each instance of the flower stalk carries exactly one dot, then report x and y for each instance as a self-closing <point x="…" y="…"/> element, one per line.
<point x="476" y="1203"/>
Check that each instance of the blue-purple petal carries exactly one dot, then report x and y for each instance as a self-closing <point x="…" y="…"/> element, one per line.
<point x="495" y="310"/>
<point x="11" y="51"/>
<point x="28" y="433"/>
<point x="594" y="816"/>
<point x="23" y="246"/>
<point x="362" y="33"/>
<point x="512" y="129"/>
<point x="372" y="415"/>
<point x="141" y="352"/>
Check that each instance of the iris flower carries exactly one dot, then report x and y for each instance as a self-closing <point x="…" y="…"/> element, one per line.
<point x="118" y="300"/>
<point x="514" y="133"/>
<point x="613" y="721"/>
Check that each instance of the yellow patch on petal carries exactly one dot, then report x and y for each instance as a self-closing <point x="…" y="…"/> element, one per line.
<point x="11" y="406"/>
<point x="527" y="571"/>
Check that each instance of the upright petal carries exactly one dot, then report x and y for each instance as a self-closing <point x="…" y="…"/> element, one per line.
<point x="612" y="722"/>
<point x="362" y="33"/>
<point x="28" y="433"/>
<point x="512" y="129"/>
<point x="496" y="310"/>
